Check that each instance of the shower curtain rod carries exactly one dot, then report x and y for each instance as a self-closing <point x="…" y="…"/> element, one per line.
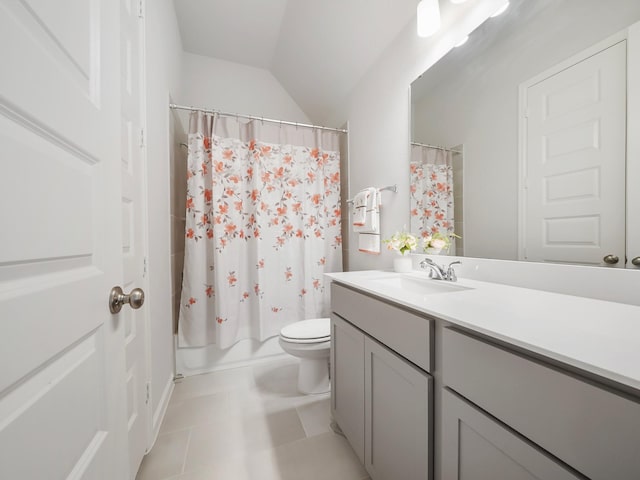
<point x="173" y="106"/>
<point x="436" y="147"/>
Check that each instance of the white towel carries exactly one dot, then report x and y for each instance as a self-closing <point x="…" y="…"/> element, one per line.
<point x="360" y="202"/>
<point x="369" y="243"/>
<point x="359" y="216"/>
<point x="366" y="212"/>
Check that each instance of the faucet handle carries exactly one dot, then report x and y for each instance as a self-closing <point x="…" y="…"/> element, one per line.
<point x="451" y="273"/>
<point x="435" y="270"/>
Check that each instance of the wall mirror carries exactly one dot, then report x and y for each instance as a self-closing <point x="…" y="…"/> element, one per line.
<point x="519" y="136"/>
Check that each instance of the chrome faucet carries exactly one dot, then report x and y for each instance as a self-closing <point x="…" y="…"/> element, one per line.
<point x="438" y="272"/>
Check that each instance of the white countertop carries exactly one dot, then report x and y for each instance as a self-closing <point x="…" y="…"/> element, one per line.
<point x="596" y="336"/>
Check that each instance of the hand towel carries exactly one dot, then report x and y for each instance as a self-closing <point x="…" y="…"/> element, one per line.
<point x="360" y="202"/>
<point x="367" y="213"/>
<point x="369" y="243"/>
<point x="359" y="217"/>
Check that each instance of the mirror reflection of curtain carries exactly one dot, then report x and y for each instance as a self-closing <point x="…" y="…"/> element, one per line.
<point x="262" y="228"/>
<point x="431" y="184"/>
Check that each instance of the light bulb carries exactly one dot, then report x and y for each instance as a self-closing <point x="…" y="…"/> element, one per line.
<point x="428" y="17"/>
<point x="501" y="10"/>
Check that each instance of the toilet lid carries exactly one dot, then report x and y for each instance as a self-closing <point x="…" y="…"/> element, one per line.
<point x="314" y="329"/>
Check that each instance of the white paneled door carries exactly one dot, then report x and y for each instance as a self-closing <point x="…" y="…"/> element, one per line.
<point x="62" y="383"/>
<point x="575" y="145"/>
<point x="133" y="234"/>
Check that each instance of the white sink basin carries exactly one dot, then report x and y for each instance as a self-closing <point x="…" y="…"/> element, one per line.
<point x="418" y="285"/>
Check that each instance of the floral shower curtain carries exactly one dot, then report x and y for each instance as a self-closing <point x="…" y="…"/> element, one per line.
<point x="262" y="227"/>
<point x="431" y="171"/>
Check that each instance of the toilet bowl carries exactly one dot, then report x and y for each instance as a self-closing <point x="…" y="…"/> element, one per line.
<point x="309" y="340"/>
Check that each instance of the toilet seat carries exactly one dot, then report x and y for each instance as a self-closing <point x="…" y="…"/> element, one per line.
<point x="310" y="341"/>
<point x="316" y="330"/>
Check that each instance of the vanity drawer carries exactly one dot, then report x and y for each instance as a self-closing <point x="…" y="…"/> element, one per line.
<point x="588" y="427"/>
<point x="406" y="333"/>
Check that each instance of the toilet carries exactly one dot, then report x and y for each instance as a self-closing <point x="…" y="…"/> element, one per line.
<point x="309" y="340"/>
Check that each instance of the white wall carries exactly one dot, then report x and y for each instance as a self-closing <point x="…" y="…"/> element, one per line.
<point x="476" y="103"/>
<point x="231" y="87"/>
<point x="236" y="88"/>
<point x="163" y="60"/>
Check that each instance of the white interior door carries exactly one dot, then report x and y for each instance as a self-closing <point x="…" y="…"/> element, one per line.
<point x="133" y="234"/>
<point x="575" y="162"/>
<point x="62" y="402"/>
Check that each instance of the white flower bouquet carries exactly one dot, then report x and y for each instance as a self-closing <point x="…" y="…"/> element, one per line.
<point x="402" y="242"/>
<point x="437" y="241"/>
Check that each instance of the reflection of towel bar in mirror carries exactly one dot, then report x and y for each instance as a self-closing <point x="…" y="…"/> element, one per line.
<point x="392" y="188"/>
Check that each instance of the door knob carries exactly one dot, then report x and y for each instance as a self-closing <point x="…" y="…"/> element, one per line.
<point x="636" y="261"/>
<point x="117" y="298"/>
<point x="610" y="259"/>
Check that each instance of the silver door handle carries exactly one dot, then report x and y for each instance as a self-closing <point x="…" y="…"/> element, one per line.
<point x="636" y="261"/>
<point x="611" y="259"/>
<point x="117" y="298"/>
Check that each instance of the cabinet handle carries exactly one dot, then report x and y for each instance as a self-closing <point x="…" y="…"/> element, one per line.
<point x="610" y="259"/>
<point x="636" y="261"/>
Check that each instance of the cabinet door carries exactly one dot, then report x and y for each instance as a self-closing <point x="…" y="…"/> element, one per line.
<point x="397" y="416"/>
<point x="476" y="446"/>
<point x="347" y="382"/>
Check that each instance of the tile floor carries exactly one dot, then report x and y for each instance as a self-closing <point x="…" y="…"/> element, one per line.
<point x="248" y="424"/>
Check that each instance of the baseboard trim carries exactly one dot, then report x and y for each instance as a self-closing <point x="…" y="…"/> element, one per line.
<point x="160" y="412"/>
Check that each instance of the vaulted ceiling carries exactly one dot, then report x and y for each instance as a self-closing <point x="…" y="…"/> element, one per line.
<point x="317" y="49"/>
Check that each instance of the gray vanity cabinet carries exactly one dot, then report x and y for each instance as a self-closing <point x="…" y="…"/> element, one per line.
<point x="381" y="401"/>
<point x="502" y="412"/>
<point x="477" y="446"/>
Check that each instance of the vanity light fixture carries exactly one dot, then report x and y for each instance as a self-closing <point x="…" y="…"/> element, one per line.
<point x="501" y="10"/>
<point x="428" y="17"/>
<point x="461" y="42"/>
<point x="457" y="1"/>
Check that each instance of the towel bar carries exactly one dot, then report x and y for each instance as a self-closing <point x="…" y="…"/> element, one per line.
<point x="392" y="188"/>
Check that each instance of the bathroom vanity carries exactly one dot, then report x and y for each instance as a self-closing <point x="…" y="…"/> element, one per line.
<point x="474" y="380"/>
